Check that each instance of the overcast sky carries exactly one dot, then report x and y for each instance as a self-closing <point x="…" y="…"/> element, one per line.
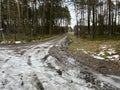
<point x="72" y="13"/>
<point x="73" y="17"/>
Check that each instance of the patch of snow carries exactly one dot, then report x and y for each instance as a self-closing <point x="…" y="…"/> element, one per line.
<point x="108" y="80"/>
<point x="111" y="51"/>
<point x="3" y="42"/>
<point x="97" y="57"/>
<point x="102" y="84"/>
<point x="104" y="47"/>
<point x="18" y="42"/>
<point x="51" y="60"/>
<point x="101" y="53"/>
<point x="105" y="53"/>
<point x="113" y="57"/>
<point x="115" y="77"/>
<point x="9" y="42"/>
<point x="71" y="60"/>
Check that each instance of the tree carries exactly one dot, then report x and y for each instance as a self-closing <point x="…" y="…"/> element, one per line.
<point x="33" y="18"/>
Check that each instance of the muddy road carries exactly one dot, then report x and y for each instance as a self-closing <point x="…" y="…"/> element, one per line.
<point x="47" y="66"/>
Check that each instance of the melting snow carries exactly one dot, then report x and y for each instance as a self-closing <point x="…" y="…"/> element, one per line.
<point x="18" y="42"/>
<point x="97" y="57"/>
<point x="18" y="71"/>
<point x="105" y="53"/>
<point x="109" y="80"/>
<point x="25" y="71"/>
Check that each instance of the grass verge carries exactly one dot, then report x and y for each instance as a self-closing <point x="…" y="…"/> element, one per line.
<point x="106" y="67"/>
<point x="92" y="46"/>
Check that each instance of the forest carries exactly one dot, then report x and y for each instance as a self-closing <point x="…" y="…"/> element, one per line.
<point x="97" y="18"/>
<point x="32" y="18"/>
<point x="38" y="18"/>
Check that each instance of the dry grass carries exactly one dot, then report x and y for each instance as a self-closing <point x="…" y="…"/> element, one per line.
<point x="92" y="46"/>
<point x="103" y="66"/>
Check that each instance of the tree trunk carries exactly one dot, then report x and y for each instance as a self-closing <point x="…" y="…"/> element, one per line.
<point x="51" y="18"/>
<point x="1" y="29"/>
<point x="109" y="25"/>
<point x="89" y="13"/>
<point x="93" y="32"/>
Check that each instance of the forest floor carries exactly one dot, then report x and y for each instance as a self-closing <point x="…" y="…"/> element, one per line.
<point x="101" y="55"/>
<point x="48" y="66"/>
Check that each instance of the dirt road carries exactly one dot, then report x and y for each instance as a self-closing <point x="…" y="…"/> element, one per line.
<point x="47" y="66"/>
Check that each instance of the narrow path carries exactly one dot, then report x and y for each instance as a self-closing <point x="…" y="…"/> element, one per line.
<point x="46" y="66"/>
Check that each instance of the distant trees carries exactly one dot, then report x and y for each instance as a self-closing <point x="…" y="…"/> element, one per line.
<point x="0" y="15"/>
<point x="101" y="17"/>
<point x="33" y="17"/>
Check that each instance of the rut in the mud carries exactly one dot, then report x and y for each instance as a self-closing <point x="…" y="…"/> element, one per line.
<point x="59" y="52"/>
<point x="47" y="66"/>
